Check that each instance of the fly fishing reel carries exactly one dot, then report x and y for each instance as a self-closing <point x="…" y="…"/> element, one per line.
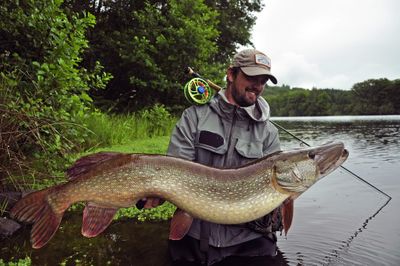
<point x="197" y="91"/>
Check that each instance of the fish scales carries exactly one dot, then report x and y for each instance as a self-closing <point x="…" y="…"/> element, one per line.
<point x="229" y="195"/>
<point x="220" y="196"/>
<point x="108" y="181"/>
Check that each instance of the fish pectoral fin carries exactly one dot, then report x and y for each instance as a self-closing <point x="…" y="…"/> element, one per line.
<point x="96" y="219"/>
<point x="287" y="214"/>
<point x="180" y="224"/>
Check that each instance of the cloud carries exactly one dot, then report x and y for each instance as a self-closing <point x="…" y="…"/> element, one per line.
<point x="296" y="68"/>
<point x="331" y="44"/>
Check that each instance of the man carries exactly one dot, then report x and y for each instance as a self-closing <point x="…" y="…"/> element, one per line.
<point x="229" y="131"/>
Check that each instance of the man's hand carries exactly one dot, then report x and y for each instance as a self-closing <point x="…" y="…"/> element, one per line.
<point x="148" y="203"/>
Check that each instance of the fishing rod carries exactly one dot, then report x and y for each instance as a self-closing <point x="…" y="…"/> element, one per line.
<point x="199" y="91"/>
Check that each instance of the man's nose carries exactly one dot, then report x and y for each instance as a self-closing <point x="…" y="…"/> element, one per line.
<point x="259" y="83"/>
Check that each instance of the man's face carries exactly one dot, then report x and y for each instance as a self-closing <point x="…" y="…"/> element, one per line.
<point x="246" y="89"/>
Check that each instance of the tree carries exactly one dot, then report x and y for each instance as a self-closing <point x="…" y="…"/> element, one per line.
<point x="392" y="93"/>
<point x="146" y="45"/>
<point x="42" y="87"/>
<point x="236" y="19"/>
<point x="376" y="96"/>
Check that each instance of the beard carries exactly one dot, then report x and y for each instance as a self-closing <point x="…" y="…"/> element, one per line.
<point x="242" y="98"/>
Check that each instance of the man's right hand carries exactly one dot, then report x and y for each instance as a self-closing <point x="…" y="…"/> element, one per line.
<point x="148" y="203"/>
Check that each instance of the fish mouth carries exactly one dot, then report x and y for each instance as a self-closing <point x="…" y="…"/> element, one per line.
<point x="329" y="157"/>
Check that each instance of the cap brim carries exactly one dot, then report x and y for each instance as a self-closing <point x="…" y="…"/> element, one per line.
<point x="256" y="71"/>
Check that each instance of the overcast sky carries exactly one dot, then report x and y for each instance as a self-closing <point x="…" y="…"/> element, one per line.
<point x="330" y="43"/>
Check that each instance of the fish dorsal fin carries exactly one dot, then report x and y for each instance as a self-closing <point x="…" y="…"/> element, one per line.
<point x="97" y="162"/>
<point x="180" y="225"/>
<point x="96" y="219"/>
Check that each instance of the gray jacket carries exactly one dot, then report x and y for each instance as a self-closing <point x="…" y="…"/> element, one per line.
<point x="222" y="135"/>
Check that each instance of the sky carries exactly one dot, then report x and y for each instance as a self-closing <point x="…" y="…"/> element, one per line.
<point x="330" y="43"/>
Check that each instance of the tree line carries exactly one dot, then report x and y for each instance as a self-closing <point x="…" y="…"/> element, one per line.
<point x="370" y="97"/>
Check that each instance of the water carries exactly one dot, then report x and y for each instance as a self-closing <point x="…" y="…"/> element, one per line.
<point x="339" y="221"/>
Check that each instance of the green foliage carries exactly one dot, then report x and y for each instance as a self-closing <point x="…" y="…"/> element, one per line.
<point x="160" y="213"/>
<point x="371" y="97"/>
<point x="43" y="90"/>
<point x="21" y="262"/>
<point x="377" y="96"/>
<point x="110" y="130"/>
<point x="236" y="19"/>
<point x="158" y="120"/>
<point x="156" y="145"/>
<point x="146" y="45"/>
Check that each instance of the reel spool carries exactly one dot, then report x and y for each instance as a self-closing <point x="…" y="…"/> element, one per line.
<point x="197" y="91"/>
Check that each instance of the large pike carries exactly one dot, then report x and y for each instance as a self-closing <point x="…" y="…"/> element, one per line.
<point x="109" y="181"/>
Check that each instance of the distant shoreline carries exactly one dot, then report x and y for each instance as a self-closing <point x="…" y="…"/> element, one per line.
<point x="339" y="118"/>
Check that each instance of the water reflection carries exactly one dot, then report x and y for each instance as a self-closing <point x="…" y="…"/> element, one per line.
<point x="125" y="242"/>
<point x="340" y="218"/>
<point x="336" y="253"/>
<point x="366" y="137"/>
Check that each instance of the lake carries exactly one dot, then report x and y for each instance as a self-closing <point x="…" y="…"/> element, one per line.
<point x="339" y="221"/>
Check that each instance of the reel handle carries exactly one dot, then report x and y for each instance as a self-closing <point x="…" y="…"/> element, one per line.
<point x="191" y="73"/>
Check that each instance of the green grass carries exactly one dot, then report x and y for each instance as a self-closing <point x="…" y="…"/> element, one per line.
<point x="144" y="132"/>
<point x="154" y="145"/>
<point x="111" y="130"/>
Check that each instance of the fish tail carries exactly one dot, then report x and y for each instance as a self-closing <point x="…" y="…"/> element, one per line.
<point x="34" y="208"/>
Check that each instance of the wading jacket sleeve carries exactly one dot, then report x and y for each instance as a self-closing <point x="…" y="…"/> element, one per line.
<point x="222" y="135"/>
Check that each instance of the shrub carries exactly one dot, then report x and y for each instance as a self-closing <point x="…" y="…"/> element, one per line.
<point x="43" y="90"/>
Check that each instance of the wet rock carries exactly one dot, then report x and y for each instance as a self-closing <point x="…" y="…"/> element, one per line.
<point x="8" y="227"/>
<point x="8" y="199"/>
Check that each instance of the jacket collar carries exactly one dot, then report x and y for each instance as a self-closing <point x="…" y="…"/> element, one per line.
<point x="258" y="112"/>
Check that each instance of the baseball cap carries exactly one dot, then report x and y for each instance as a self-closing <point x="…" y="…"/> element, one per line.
<point x="253" y="63"/>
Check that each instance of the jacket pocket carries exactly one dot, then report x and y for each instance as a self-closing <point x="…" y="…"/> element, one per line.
<point x="249" y="149"/>
<point x="211" y="141"/>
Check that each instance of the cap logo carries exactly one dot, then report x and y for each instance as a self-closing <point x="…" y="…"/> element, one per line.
<point x="263" y="60"/>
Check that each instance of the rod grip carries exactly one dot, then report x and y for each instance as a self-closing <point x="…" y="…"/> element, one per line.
<point x="191" y="73"/>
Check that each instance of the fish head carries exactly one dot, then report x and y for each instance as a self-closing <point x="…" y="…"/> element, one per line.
<point x="297" y="170"/>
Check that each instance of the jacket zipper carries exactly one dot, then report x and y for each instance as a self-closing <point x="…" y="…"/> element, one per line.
<point x="230" y="134"/>
<point x="226" y="157"/>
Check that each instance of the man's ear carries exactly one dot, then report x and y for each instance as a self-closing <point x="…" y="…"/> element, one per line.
<point x="229" y="75"/>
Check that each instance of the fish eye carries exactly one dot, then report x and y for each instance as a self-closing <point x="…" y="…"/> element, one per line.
<point x="311" y="155"/>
